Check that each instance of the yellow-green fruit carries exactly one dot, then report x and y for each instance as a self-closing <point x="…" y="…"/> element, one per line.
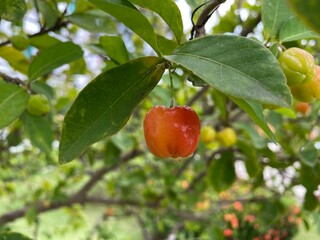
<point x="298" y="65"/>
<point x="208" y="134"/>
<point x="308" y="91"/>
<point x="38" y="105"/>
<point x="227" y="137"/>
<point x="20" y="42"/>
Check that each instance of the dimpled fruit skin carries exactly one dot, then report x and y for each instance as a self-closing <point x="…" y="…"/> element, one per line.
<point x="38" y="105"/>
<point x="298" y="65"/>
<point x="172" y="132"/>
<point x="308" y="91"/>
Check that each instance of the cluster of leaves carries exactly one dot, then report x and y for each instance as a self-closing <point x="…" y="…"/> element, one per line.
<point x="235" y="76"/>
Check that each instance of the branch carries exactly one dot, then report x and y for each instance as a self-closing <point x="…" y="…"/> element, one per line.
<point x="198" y="29"/>
<point x="16" y="81"/>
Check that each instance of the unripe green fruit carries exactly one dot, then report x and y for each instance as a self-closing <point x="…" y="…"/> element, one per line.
<point x="298" y="65"/>
<point x="20" y="42"/>
<point x="207" y="134"/>
<point x="38" y="105"/>
<point x="227" y="137"/>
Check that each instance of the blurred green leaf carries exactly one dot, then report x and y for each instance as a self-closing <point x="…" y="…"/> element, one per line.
<point x="309" y="155"/>
<point x="115" y="48"/>
<point x="310" y="201"/>
<point x="43" y="41"/>
<point x="258" y="141"/>
<point x="236" y="66"/>
<point x="53" y="57"/>
<point x="94" y="21"/>
<point x="15" y="58"/>
<point x="308" y="12"/>
<point x="12" y="10"/>
<point x="275" y="14"/>
<point x="221" y="172"/>
<point x="251" y="160"/>
<point x="309" y="177"/>
<point x="39" y="131"/>
<point x="13" y="236"/>
<point x="254" y="110"/>
<point x="293" y="29"/>
<point x="168" y="11"/>
<point x="48" y="12"/>
<point x="129" y="15"/>
<point x="104" y="106"/>
<point x="111" y="154"/>
<point x="13" y="101"/>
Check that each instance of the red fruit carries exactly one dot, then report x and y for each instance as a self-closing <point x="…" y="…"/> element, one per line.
<point x="303" y="108"/>
<point x="172" y="132"/>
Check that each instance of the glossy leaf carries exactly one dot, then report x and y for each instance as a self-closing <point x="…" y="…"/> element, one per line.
<point x="254" y="110"/>
<point x="115" y="48"/>
<point x="129" y="15"/>
<point x="308" y="12"/>
<point x="15" y="58"/>
<point x="236" y="66"/>
<point x="94" y="21"/>
<point x="293" y="29"/>
<point x="12" y="10"/>
<point x="166" y="46"/>
<point x="39" y="131"/>
<point x="13" y="236"/>
<point x="168" y="11"/>
<point x="275" y="14"/>
<point x="53" y="57"/>
<point x="13" y="101"/>
<point x="104" y="106"/>
<point x="222" y="173"/>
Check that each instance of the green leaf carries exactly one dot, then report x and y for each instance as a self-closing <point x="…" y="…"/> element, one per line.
<point x="168" y="11"/>
<point x="43" y="41"/>
<point x="39" y="131"/>
<point x="308" y="12"/>
<point x="309" y="177"/>
<point x="104" y="106"/>
<point x="53" y="57"/>
<point x="293" y="29"/>
<point x="309" y="155"/>
<point x="310" y="201"/>
<point x="115" y="48"/>
<point x="15" y="58"/>
<point x="274" y="14"/>
<point x="251" y="160"/>
<point x="12" y="10"/>
<point x="254" y="110"/>
<point x="258" y="141"/>
<point x="221" y="172"/>
<point x="48" y="12"/>
<point x="166" y="46"/>
<point x="13" y="101"/>
<point x="129" y="15"/>
<point x="94" y="21"/>
<point x="236" y="66"/>
<point x="13" y="236"/>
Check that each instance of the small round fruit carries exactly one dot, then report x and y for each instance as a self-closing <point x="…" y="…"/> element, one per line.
<point x="38" y="105"/>
<point x="303" y="108"/>
<point x="172" y="132"/>
<point x="208" y="134"/>
<point x="298" y="65"/>
<point x="20" y="42"/>
<point x="227" y="137"/>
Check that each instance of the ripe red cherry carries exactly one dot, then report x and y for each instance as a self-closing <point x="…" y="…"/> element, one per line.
<point x="172" y="132"/>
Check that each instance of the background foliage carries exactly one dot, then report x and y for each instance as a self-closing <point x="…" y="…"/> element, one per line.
<point x="83" y="171"/>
